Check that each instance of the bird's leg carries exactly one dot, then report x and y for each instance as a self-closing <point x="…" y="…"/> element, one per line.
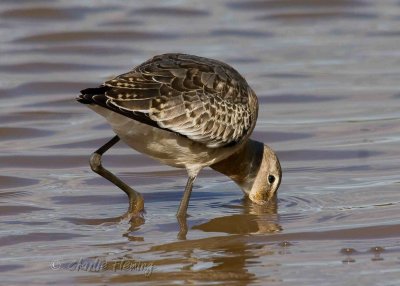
<point x="136" y="202"/>
<point x="181" y="214"/>
<point x="186" y="197"/>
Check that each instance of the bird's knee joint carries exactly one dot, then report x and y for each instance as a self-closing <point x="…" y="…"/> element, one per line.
<point x="95" y="162"/>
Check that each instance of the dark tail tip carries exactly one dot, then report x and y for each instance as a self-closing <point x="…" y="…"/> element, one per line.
<point x="83" y="99"/>
<point x="86" y="96"/>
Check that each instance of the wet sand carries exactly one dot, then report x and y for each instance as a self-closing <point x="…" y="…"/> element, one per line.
<point x="327" y="76"/>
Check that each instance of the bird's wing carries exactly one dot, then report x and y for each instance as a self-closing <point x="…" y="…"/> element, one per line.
<point x="202" y="99"/>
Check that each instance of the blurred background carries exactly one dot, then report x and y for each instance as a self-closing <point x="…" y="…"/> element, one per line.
<point x="327" y="76"/>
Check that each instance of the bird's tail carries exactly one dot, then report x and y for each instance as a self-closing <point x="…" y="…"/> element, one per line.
<point x="87" y="95"/>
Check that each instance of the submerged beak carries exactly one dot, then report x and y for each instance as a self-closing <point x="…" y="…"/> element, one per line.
<point x="261" y="199"/>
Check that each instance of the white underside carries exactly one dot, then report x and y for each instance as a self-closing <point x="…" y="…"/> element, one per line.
<point x="165" y="146"/>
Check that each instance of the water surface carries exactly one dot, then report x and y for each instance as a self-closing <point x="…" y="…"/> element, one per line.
<point x="327" y="75"/>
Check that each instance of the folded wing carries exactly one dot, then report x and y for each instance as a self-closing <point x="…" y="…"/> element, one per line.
<point x="202" y="99"/>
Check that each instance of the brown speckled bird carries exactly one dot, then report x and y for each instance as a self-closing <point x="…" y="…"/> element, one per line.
<point x="187" y="112"/>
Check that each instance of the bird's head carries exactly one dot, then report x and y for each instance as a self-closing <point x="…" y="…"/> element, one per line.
<point x="264" y="184"/>
<point x="256" y="169"/>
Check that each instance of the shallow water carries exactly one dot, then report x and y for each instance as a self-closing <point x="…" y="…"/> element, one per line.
<point x="327" y="75"/>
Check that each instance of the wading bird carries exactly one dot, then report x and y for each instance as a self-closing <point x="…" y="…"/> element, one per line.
<point x="187" y="112"/>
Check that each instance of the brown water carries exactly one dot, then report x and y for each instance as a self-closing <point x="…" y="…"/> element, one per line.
<point x="327" y="75"/>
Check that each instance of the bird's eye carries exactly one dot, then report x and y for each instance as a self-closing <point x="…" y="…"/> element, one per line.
<point x="271" y="179"/>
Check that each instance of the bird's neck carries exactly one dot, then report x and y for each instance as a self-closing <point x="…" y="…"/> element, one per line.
<point x="243" y="165"/>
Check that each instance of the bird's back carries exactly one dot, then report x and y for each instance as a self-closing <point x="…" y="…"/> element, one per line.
<point x="202" y="99"/>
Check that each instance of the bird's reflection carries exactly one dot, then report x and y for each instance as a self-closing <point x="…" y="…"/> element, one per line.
<point x="252" y="219"/>
<point x="221" y="257"/>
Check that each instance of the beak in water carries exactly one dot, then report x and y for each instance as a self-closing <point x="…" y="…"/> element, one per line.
<point x="256" y="169"/>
